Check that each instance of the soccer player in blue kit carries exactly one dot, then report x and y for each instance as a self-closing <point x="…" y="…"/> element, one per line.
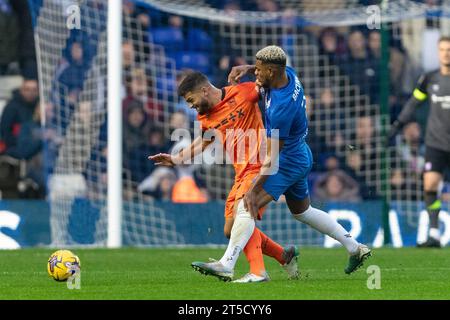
<point x="286" y="168"/>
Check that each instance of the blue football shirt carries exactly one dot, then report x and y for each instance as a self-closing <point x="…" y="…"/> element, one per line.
<point x="286" y="112"/>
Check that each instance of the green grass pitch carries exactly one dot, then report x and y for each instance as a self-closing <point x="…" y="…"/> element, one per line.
<point x="165" y="274"/>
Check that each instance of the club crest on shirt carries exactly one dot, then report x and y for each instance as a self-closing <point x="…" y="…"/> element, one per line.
<point x="268" y="103"/>
<point x="435" y="87"/>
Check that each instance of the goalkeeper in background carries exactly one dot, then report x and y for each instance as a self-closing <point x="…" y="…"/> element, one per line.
<point x="434" y="87"/>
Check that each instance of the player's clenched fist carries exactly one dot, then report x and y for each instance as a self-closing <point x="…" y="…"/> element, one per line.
<point x="238" y="72"/>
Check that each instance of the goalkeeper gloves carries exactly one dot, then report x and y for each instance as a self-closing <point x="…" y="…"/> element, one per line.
<point x="395" y="128"/>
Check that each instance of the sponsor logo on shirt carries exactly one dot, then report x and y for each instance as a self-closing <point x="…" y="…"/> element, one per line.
<point x="444" y="100"/>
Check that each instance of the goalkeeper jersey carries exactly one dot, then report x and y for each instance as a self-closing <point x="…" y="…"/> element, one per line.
<point x="436" y="88"/>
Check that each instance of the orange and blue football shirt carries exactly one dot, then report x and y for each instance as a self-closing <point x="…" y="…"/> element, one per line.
<point x="238" y="119"/>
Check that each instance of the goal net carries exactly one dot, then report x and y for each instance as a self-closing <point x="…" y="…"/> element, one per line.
<point x="336" y="48"/>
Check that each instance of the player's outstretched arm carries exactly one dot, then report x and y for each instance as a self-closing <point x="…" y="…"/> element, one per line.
<point x="405" y="116"/>
<point x="185" y="156"/>
<point x="419" y="95"/>
<point x="162" y="159"/>
<point x="238" y="72"/>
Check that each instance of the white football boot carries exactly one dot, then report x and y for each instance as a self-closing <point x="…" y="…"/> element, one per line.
<point x="290" y="255"/>
<point x="250" y="277"/>
<point x="214" y="268"/>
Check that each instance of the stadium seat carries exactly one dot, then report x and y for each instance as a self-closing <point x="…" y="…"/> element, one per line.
<point x="170" y="38"/>
<point x="199" y="40"/>
<point x="193" y="60"/>
<point x="165" y="86"/>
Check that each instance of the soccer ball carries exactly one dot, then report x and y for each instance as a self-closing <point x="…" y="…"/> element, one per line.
<point x="62" y="264"/>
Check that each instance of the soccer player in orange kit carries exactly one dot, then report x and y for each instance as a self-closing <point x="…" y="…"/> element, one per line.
<point x="233" y="115"/>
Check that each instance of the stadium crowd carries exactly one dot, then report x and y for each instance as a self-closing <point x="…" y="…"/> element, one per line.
<point x="336" y="176"/>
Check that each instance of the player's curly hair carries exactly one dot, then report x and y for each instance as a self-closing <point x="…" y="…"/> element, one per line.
<point x="191" y="82"/>
<point x="272" y="54"/>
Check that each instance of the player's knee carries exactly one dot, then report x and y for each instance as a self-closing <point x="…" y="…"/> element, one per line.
<point x="241" y="211"/>
<point x="298" y="206"/>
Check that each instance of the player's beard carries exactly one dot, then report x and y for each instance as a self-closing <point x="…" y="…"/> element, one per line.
<point x="203" y="107"/>
<point x="264" y="83"/>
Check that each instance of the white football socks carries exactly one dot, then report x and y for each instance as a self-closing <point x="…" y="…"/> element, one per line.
<point x="434" y="233"/>
<point x="241" y="232"/>
<point x="322" y="222"/>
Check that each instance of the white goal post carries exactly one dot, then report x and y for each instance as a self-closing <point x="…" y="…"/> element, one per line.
<point x="114" y="124"/>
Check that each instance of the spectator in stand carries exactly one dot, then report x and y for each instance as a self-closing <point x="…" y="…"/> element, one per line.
<point x="139" y="89"/>
<point x="164" y="190"/>
<point x="267" y="6"/>
<point x="331" y="44"/>
<point x="17" y="111"/>
<point x="72" y="76"/>
<point x="136" y="158"/>
<point x="331" y="118"/>
<point x="231" y="7"/>
<point x="336" y="186"/>
<point x="366" y="144"/>
<point x="176" y="21"/>
<point x="128" y="59"/>
<point x="178" y="120"/>
<point x="131" y="10"/>
<point x="225" y="64"/>
<point x="17" y="52"/>
<point x="289" y="34"/>
<point x="136" y="22"/>
<point x="402" y="74"/>
<point x="359" y="67"/>
<point x="9" y="40"/>
<point x="156" y="143"/>
<point x="26" y="49"/>
<point x="364" y="134"/>
<point x="374" y="44"/>
<point x="135" y="128"/>
<point x="221" y="73"/>
<point x="53" y="140"/>
<point x="353" y="161"/>
<point x="29" y="147"/>
<point x="186" y="189"/>
<point x="398" y="184"/>
<point x="135" y="135"/>
<point x="159" y="184"/>
<point x="412" y="151"/>
<point x="400" y="181"/>
<point x="29" y="140"/>
<point x="354" y="167"/>
<point x="330" y="121"/>
<point x="316" y="140"/>
<point x="332" y="163"/>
